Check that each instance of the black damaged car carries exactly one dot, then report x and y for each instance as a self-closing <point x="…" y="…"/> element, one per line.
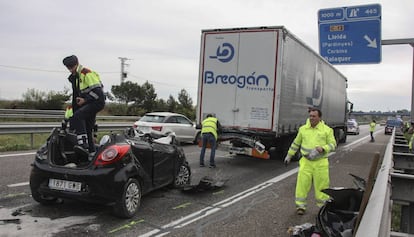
<point x="125" y="167"/>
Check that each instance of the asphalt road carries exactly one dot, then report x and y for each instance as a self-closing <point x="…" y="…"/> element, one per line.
<point x="257" y="199"/>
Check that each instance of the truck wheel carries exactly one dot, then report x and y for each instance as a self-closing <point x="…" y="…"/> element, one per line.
<point x="277" y="153"/>
<point x="128" y="204"/>
<point x="183" y="177"/>
<point x="341" y="136"/>
<point x="36" y="195"/>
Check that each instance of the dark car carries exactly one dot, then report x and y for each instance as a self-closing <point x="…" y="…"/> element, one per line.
<point x="391" y="124"/>
<point x="124" y="168"/>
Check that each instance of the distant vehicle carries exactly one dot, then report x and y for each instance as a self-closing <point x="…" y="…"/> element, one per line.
<point x="391" y="124"/>
<point x="353" y="127"/>
<point x="163" y="123"/>
<point x="382" y="123"/>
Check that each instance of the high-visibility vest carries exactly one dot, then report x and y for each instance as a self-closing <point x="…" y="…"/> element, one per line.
<point x="308" y="138"/>
<point x="88" y="80"/>
<point x="372" y="126"/>
<point x="68" y="112"/>
<point x="209" y="125"/>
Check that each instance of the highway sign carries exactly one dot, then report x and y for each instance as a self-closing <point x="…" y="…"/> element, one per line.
<point x="350" y="35"/>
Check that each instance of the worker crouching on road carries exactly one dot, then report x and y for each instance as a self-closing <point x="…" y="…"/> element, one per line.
<point x="87" y="100"/>
<point x="315" y="140"/>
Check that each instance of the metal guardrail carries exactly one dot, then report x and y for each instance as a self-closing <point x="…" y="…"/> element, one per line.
<point x="376" y="220"/>
<point x="52" y="114"/>
<point x="393" y="185"/>
<point x="46" y="127"/>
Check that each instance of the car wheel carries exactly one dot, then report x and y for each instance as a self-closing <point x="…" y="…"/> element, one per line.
<point x="130" y="200"/>
<point x="38" y="197"/>
<point x="183" y="177"/>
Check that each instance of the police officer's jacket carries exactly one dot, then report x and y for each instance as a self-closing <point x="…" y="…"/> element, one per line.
<point x="87" y="84"/>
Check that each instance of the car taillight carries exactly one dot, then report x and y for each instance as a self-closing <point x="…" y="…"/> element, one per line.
<point x="157" y="128"/>
<point x="111" y="154"/>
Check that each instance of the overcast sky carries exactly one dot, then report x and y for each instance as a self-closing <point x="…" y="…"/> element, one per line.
<point x="162" y="40"/>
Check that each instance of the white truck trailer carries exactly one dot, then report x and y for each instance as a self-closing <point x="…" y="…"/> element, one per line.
<point x="259" y="82"/>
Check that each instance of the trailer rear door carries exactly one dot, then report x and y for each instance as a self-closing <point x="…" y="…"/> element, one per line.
<point x="238" y="77"/>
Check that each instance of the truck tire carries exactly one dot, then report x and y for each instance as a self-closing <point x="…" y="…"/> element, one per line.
<point x="275" y="154"/>
<point x="340" y="135"/>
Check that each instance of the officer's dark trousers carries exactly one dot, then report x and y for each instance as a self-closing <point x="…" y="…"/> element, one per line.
<point x="83" y="121"/>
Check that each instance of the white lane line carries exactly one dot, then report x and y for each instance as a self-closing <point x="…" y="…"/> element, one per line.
<point x="360" y="140"/>
<point x="186" y="220"/>
<point x="17" y="154"/>
<point x="18" y="184"/>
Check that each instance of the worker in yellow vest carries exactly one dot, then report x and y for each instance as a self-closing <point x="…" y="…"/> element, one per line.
<point x="315" y="140"/>
<point x="209" y="132"/>
<point x="372" y="125"/>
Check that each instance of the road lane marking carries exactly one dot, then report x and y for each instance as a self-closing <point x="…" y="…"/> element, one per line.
<point x="18" y="184"/>
<point x="360" y="140"/>
<point x="184" y="205"/>
<point x="17" y="154"/>
<point x="126" y="226"/>
<point x="195" y="216"/>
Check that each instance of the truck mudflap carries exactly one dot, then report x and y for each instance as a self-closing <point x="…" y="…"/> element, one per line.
<point x="251" y="146"/>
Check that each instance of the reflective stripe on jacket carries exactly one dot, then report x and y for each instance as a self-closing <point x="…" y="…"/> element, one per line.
<point x="209" y="125"/>
<point x="308" y="138"/>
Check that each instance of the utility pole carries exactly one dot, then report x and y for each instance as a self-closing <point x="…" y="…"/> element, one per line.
<point x="409" y="41"/>
<point x="123" y="64"/>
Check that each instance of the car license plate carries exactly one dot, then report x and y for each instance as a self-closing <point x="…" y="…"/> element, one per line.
<point x="65" y="185"/>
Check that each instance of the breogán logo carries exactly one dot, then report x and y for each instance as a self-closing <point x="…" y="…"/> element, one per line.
<point x="225" y="53"/>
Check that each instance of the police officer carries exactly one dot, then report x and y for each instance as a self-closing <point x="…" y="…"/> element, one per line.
<point x="209" y="131"/>
<point x="315" y="140"/>
<point x="87" y="100"/>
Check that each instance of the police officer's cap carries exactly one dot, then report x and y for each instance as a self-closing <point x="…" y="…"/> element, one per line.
<point x="70" y="61"/>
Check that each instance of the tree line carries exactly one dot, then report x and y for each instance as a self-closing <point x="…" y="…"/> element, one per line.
<point x="128" y="98"/>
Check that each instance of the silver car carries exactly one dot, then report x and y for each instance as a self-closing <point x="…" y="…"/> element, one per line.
<point x="353" y="127"/>
<point x="163" y="123"/>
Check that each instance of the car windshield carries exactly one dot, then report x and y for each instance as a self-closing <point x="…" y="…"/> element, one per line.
<point x="153" y="118"/>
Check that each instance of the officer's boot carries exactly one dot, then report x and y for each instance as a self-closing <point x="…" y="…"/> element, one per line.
<point x="82" y="147"/>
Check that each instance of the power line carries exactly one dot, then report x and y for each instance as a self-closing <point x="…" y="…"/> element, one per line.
<point x="158" y="82"/>
<point x="29" y="69"/>
<point x="39" y="69"/>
